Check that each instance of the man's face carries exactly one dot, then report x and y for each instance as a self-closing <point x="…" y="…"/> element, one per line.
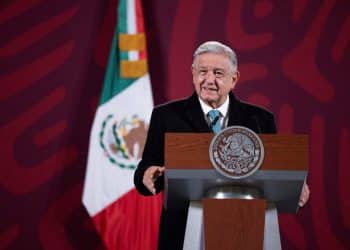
<point x="213" y="78"/>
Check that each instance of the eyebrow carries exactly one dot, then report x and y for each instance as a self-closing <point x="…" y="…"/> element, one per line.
<point x="206" y="67"/>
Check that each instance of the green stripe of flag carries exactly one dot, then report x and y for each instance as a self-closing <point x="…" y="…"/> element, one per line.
<point x="113" y="82"/>
<point x="122" y="16"/>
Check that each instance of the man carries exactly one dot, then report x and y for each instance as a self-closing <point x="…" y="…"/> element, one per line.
<point x="215" y="75"/>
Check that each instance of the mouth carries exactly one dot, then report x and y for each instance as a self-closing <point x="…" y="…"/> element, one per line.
<point x="209" y="89"/>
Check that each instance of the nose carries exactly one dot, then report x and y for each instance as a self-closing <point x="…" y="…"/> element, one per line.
<point x="210" y="76"/>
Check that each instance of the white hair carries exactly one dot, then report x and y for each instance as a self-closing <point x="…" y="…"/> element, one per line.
<point x="217" y="48"/>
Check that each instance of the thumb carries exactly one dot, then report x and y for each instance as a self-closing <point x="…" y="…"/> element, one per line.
<point x="158" y="172"/>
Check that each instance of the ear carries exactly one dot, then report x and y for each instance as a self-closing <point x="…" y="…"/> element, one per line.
<point x="193" y="70"/>
<point x="235" y="78"/>
<point x="193" y="73"/>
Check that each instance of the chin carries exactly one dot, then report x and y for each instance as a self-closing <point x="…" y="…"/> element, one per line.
<point x="211" y="97"/>
<point x="209" y="100"/>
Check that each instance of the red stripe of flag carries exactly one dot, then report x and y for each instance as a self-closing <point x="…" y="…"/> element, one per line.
<point x="140" y="28"/>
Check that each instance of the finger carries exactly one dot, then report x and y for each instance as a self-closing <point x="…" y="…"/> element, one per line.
<point x="301" y="202"/>
<point x="157" y="173"/>
<point x="150" y="187"/>
<point x="307" y="189"/>
<point x="303" y="197"/>
<point x="148" y="176"/>
<point x="161" y="170"/>
<point x="148" y="184"/>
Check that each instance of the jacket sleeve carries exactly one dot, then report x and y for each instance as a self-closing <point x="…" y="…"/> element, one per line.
<point x="261" y="121"/>
<point x="270" y="125"/>
<point x="153" y="153"/>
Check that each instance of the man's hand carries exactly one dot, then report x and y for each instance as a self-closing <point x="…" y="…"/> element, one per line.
<point x="150" y="176"/>
<point x="305" y="194"/>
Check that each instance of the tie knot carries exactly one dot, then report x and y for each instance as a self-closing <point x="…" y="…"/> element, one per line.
<point x="213" y="114"/>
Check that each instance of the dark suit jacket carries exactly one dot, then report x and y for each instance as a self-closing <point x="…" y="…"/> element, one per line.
<point x="187" y="116"/>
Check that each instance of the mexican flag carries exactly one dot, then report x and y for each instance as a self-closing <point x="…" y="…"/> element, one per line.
<point x="123" y="218"/>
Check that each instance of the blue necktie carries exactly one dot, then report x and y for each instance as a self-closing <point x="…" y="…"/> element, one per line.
<point x="214" y="116"/>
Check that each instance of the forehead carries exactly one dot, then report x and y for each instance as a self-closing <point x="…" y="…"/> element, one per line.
<point x="212" y="60"/>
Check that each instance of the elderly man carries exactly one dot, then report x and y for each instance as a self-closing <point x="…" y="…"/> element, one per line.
<point x="211" y="107"/>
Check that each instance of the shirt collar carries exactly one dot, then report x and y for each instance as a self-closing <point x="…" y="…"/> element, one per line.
<point x="222" y="109"/>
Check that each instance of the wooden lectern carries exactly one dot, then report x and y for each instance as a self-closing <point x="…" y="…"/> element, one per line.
<point x="236" y="223"/>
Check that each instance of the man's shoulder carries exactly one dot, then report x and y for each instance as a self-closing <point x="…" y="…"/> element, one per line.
<point x="174" y="105"/>
<point x="251" y="108"/>
<point x="255" y="117"/>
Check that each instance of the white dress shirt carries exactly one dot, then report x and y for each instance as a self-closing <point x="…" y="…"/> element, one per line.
<point x="223" y="109"/>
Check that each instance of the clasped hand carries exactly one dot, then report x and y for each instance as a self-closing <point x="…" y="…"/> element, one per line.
<point x="304" y="196"/>
<point x="150" y="176"/>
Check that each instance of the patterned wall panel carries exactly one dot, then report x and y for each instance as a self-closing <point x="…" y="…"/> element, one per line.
<point x="293" y="58"/>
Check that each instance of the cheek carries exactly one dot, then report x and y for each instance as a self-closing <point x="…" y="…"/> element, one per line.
<point x="226" y="86"/>
<point x="197" y="81"/>
<point x="221" y="84"/>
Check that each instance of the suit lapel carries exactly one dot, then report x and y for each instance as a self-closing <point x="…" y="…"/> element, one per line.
<point x="194" y="115"/>
<point x="235" y="114"/>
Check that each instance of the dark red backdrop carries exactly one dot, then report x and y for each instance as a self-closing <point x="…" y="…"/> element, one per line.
<point x="294" y="59"/>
